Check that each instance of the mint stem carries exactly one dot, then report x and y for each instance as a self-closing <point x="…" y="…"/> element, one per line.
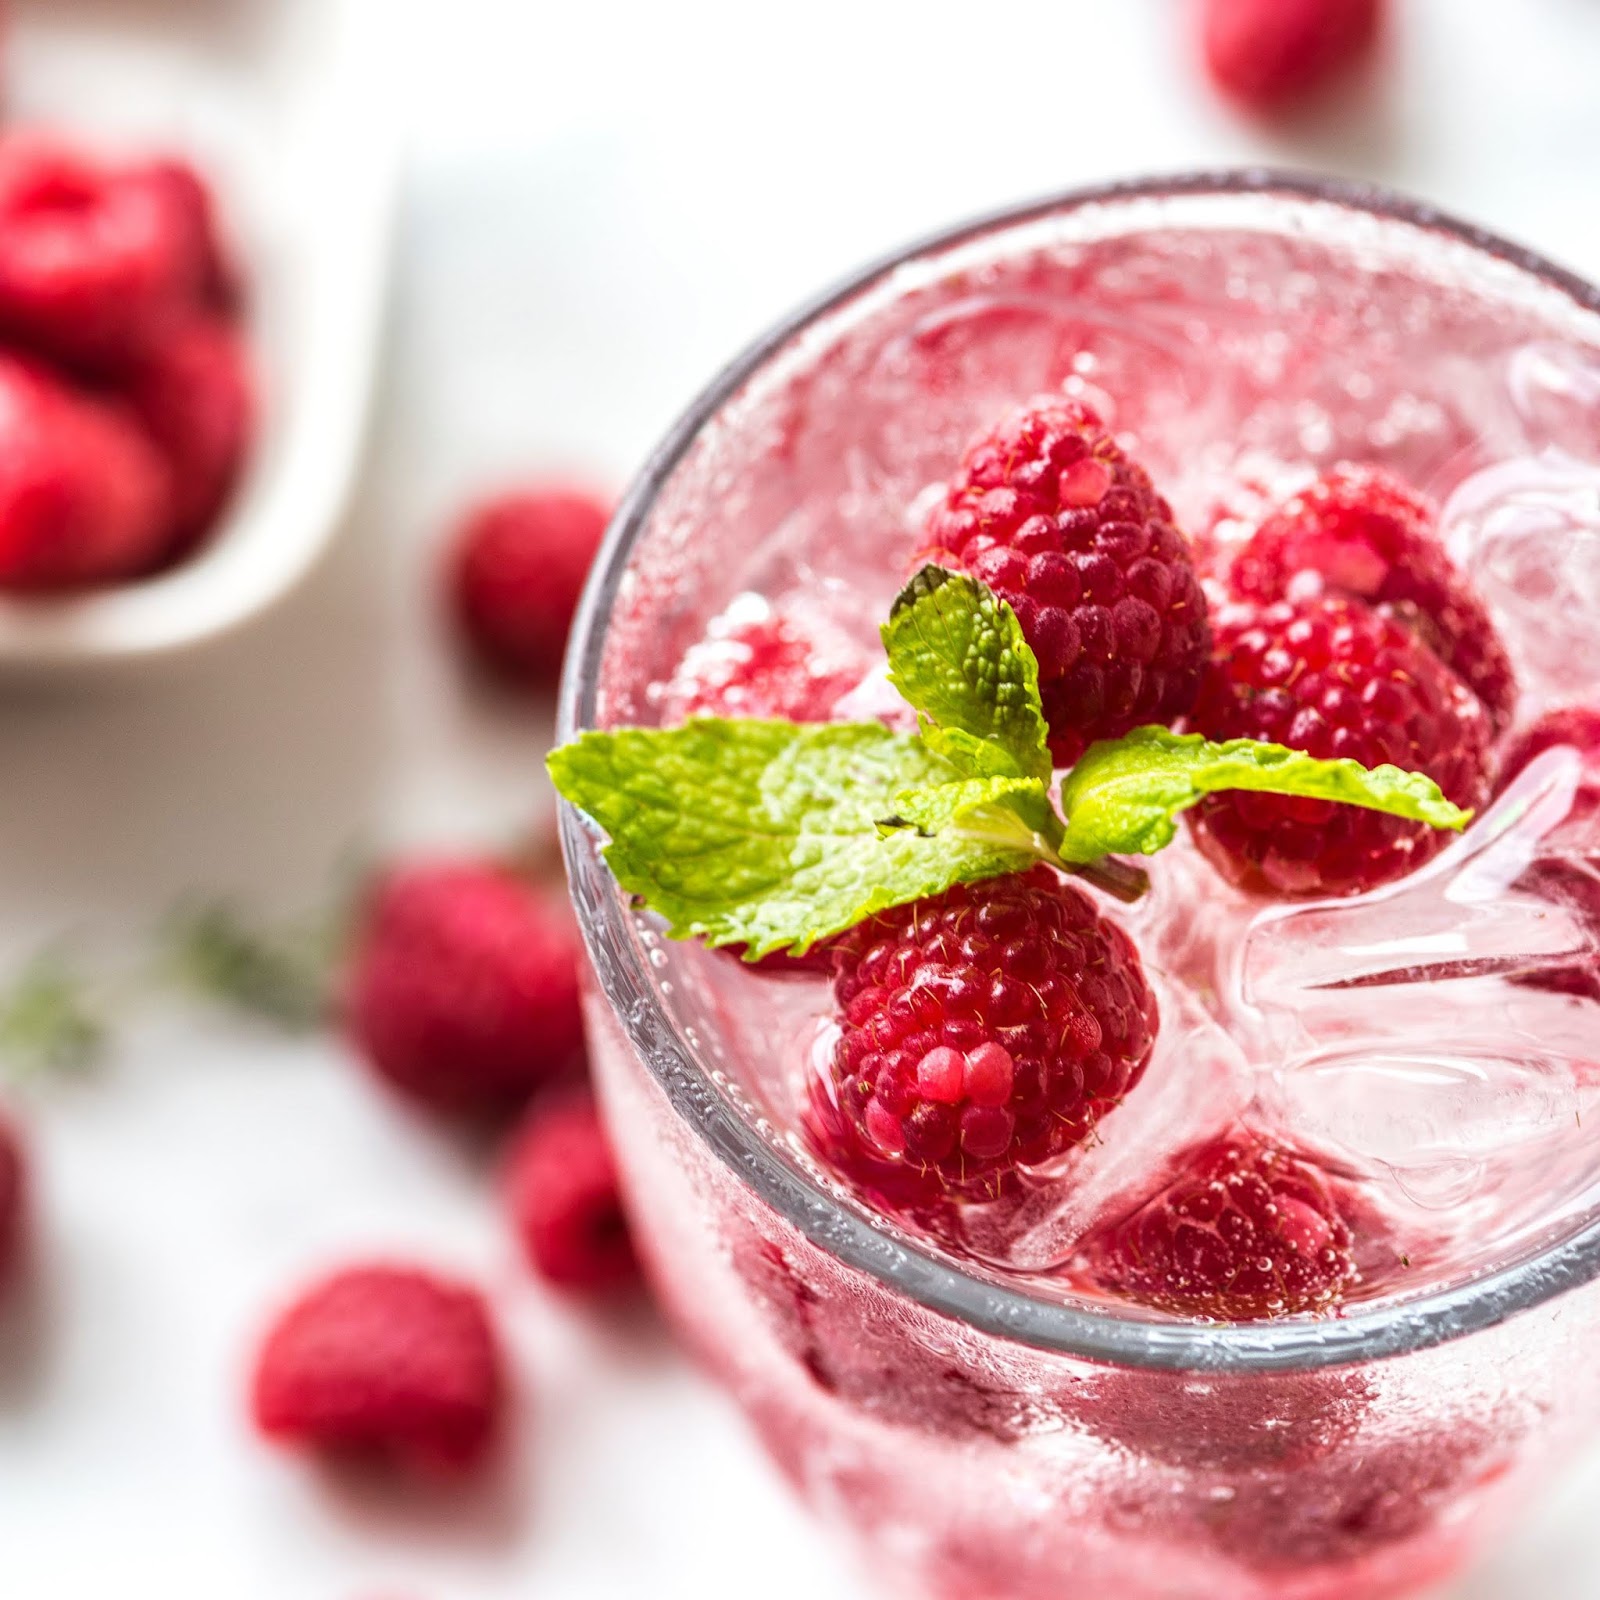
<point x="1118" y="878"/>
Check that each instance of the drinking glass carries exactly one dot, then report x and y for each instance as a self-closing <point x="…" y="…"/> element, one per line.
<point x="985" y="1436"/>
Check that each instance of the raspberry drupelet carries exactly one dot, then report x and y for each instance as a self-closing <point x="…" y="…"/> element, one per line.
<point x="982" y="1030"/>
<point x="1362" y="533"/>
<point x="1333" y="678"/>
<point x="1052" y="515"/>
<point x="1246" y="1230"/>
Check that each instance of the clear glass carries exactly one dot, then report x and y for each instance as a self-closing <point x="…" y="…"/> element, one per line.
<point x="981" y="1440"/>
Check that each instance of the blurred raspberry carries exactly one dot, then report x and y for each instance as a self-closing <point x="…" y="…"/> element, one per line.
<point x="1362" y="533"/>
<point x="463" y="989"/>
<point x="96" y="262"/>
<point x="383" y="1360"/>
<point x="13" y="1200"/>
<point x="1335" y="679"/>
<point x="1267" y="55"/>
<point x="772" y="665"/>
<point x="211" y="272"/>
<point x="561" y="1189"/>
<point x="1049" y="512"/>
<point x="1246" y="1230"/>
<point x="84" y="497"/>
<point x="194" y="394"/>
<point x="516" y="569"/>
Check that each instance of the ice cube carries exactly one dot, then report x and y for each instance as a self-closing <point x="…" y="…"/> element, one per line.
<point x="1528" y="530"/>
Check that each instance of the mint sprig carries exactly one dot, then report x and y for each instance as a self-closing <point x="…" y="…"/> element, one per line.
<point x="775" y="835"/>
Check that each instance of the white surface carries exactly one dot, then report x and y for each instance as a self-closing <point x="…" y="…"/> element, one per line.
<point x="604" y="201"/>
<point x="280" y="102"/>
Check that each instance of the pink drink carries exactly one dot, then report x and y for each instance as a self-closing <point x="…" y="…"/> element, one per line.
<point x="985" y="1422"/>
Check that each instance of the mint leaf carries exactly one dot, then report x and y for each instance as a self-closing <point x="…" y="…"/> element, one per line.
<point x="956" y="652"/>
<point x="1014" y="809"/>
<point x="770" y="834"/>
<point x="1124" y="796"/>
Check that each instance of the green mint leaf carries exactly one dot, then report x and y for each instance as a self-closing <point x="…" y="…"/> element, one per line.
<point x="1016" y="810"/>
<point x="769" y="834"/>
<point x="48" y="1020"/>
<point x="1124" y="796"/>
<point x="956" y="652"/>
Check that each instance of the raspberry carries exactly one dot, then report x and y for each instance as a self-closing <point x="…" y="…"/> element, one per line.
<point x="1051" y="514"/>
<point x="986" y="1029"/>
<point x="517" y="567"/>
<point x="194" y="394"/>
<point x="1246" y="1230"/>
<point x="1333" y="678"/>
<point x="94" y="262"/>
<point x="1268" y="54"/>
<point x="383" y="1360"/>
<point x="769" y="666"/>
<point x="209" y="268"/>
<point x="13" y="1200"/>
<point x="84" y="497"/>
<point x="463" y="991"/>
<point x="1575" y="725"/>
<point x="561" y="1188"/>
<point x="1361" y="533"/>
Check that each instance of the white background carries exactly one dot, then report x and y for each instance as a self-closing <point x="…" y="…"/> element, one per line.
<point x="603" y="201"/>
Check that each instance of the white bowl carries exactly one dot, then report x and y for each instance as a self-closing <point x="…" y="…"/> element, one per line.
<point x="283" y="104"/>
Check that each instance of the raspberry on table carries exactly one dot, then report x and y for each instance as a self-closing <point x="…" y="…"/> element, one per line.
<point x="1362" y="533"/>
<point x="463" y="988"/>
<point x="1333" y="678"/>
<point x="516" y="568"/>
<point x="194" y="394"/>
<point x="383" y="1360"/>
<point x="982" y="1030"/>
<point x="85" y="498"/>
<point x="1246" y="1230"/>
<point x="562" y="1192"/>
<point x="1266" y="55"/>
<point x="1050" y="513"/>
<point x="13" y="1200"/>
<point x="95" y="261"/>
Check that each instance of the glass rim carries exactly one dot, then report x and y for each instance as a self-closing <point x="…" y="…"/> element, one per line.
<point x="851" y="1234"/>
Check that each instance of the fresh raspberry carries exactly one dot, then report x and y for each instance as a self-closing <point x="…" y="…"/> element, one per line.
<point x="517" y="566"/>
<point x="1333" y="678"/>
<point x="210" y="270"/>
<point x="463" y="991"/>
<point x="95" y="262"/>
<point x="986" y="1029"/>
<point x="1574" y="725"/>
<point x="84" y="497"/>
<point x="383" y="1360"/>
<point x="1246" y="1230"/>
<point x="1051" y="514"/>
<point x="1361" y="533"/>
<point x="13" y="1200"/>
<point x="561" y="1188"/>
<point x="1266" y="55"/>
<point x="193" y="392"/>
<point x="768" y="666"/>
